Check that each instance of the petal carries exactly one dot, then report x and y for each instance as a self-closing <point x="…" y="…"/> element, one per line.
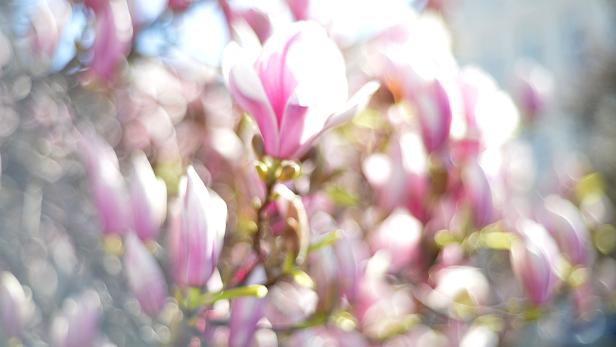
<point x="247" y="90"/>
<point x="312" y="130"/>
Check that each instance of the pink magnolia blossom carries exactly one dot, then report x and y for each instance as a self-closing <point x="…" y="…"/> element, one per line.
<point x="295" y="89"/>
<point x="400" y="178"/>
<point x="565" y="223"/>
<point x="197" y="233"/>
<point x="399" y="236"/>
<point x="144" y="275"/>
<point x="114" y="32"/>
<point x="533" y="260"/>
<point x="478" y="194"/>
<point x="78" y="323"/>
<point x="299" y="8"/>
<point x="106" y="184"/>
<point x="15" y="306"/>
<point x="246" y="313"/>
<point x="148" y="198"/>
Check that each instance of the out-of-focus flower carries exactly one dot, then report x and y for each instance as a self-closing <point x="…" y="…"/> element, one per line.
<point x="465" y="285"/>
<point x="246" y="313"/>
<point x="198" y="232"/>
<point x="482" y="100"/>
<point x="113" y="35"/>
<point x="533" y="87"/>
<point x="478" y="194"/>
<point x="416" y="64"/>
<point x="47" y="20"/>
<point x="295" y="89"/>
<point x="564" y="222"/>
<point x="148" y="197"/>
<point x="77" y="325"/>
<point x="299" y="8"/>
<point x="399" y="236"/>
<point x="258" y="21"/>
<point x="144" y="275"/>
<point x="400" y="178"/>
<point x="289" y="304"/>
<point x="534" y="260"/>
<point x="106" y="184"/>
<point x="15" y="307"/>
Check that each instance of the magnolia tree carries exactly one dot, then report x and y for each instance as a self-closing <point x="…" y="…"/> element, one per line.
<point x="318" y="188"/>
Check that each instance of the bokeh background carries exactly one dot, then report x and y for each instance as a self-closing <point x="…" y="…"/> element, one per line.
<point x="49" y="237"/>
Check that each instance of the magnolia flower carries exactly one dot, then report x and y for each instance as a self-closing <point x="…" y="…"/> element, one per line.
<point x="400" y="178"/>
<point x="15" y="307"/>
<point x="197" y="233"/>
<point x="114" y="32"/>
<point x="246" y="313"/>
<point x="399" y="236"/>
<point x="106" y="184"/>
<point x="179" y="5"/>
<point x="533" y="87"/>
<point x="299" y="8"/>
<point x="534" y="260"/>
<point x="145" y="277"/>
<point x="77" y="325"/>
<point x="478" y="194"/>
<point x="295" y="89"/>
<point x="564" y="222"/>
<point x="148" y="198"/>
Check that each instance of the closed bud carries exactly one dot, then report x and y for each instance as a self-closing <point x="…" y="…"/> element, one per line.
<point x="77" y="324"/>
<point x="197" y="233"/>
<point x="564" y="222"/>
<point x="15" y="307"/>
<point x="106" y="184"/>
<point x="534" y="260"/>
<point x="148" y="197"/>
<point x="246" y="313"/>
<point x="144" y="275"/>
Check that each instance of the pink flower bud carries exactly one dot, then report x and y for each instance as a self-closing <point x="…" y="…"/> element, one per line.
<point x="246" y="313"/>
<point x="399" y="236"/>
<point x="299" y="8"/>
<point x="15" y="307"/>
<point x="114" y="32"/>
<point x="478" y="194"/>
<point x="145" y="278"/>
<point x="148" y="197"/>
<point x="533" y="260"/>
<point x="564" y="222"/>
<point x="295" y="89"/>
<point x="434" y="110"/>
<point x="198" y="232"/>
<point x="106" y="184"/>
<point x="532" y="88"/>
<point x="77" y="325"/>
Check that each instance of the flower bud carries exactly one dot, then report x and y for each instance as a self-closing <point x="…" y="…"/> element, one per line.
<point x="145" y="278"/>
<point x="198" y="232"/>
<point x="106" y="184"/>
<point x="246" y="313"/>
<point x="533" y="259"/>
<point x="148" y="198"/>
<point x="478" y="194"/>
<point x="15" y="307"/>
<point x="565" y="223"/>
<point x="77" y="325"/>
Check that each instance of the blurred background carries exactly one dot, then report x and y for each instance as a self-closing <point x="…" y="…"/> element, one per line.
<point x="49" y="58"/>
